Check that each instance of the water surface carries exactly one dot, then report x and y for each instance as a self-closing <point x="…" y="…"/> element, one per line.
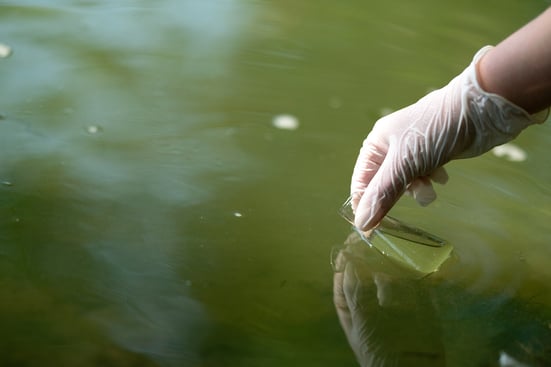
<point x="153" y="215"/>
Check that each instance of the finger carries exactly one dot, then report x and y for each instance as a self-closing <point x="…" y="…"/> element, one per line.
<point x="422" y="191"/>
<point x="385" y="188"/>
<point x="439" y="175"/>
<point x="421" y="188"/>
<point x="370" y="158"/>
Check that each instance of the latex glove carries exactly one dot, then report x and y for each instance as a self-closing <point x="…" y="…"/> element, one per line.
<point x="407" y="148"/>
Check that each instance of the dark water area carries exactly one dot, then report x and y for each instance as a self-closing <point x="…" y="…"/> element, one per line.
<point x="170" y="174"/>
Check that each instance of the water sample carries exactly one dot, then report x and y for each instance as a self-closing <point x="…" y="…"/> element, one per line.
<point x="410" y="247"/>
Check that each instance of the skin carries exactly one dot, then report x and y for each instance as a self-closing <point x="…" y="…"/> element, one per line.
<point x="519" y="68"/>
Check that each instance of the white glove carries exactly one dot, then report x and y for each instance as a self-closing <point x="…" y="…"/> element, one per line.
<point x="408" y="148"/>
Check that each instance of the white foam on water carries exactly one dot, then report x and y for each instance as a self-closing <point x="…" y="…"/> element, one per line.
<point x="285" y="122"/>
<point x="510" y="151"/>
<point x="5" y="51"/>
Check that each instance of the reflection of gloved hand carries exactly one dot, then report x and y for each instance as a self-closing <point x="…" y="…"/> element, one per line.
<point x="388" y="321"/>
<point x="407" y="148"/>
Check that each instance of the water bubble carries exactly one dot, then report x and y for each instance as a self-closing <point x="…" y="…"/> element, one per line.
<point x="237" y="214"/>
<point x="93" y="129"/>
<point x="285" y="122"/>
<point x="5" y="51"/>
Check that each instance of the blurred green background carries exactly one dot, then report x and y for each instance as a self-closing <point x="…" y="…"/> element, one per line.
<point x="152" y="214"/>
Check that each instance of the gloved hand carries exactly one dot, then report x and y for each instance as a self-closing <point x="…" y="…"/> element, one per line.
<point x="407" y="149"/>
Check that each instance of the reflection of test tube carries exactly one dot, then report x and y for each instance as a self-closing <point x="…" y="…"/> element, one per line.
<point x="409" y="246"/>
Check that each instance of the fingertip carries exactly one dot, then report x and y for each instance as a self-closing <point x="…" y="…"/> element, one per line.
<point x="370" y="158"/>
<point x="379" y="197"/>
<point x="369" y="213"/>
<point x="422" y="191"/>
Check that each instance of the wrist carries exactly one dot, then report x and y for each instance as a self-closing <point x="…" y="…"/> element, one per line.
<point x="492" y="119"/>
<point x="483" y="78"/>
<point x="493" y="77"/>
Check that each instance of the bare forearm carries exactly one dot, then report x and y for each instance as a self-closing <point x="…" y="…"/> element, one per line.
<point x="519" y="68"/>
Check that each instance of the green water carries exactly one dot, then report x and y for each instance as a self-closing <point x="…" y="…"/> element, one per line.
<point x="152" y="215"/>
